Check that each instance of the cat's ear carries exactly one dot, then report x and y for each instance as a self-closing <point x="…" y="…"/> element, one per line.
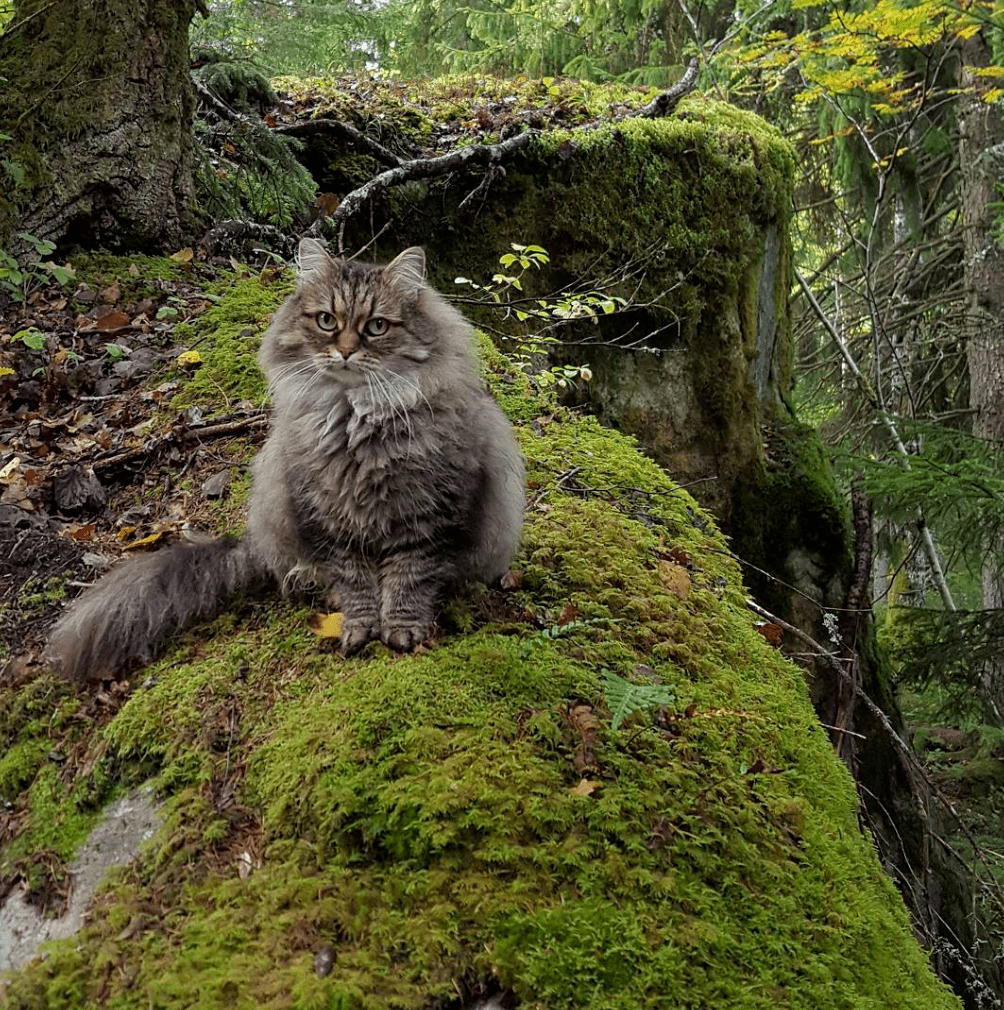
<point x="312" y="261"/>
<point x="407" y="271"/>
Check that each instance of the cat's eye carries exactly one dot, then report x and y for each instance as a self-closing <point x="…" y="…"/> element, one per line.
<point x="326" y="321"/>
<point x="377" y="326"/>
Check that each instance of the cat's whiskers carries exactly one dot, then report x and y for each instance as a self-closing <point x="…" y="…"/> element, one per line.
<point x="391" y="398"/>
<point x="413" y="385"/>
<point x="293" y="371"/>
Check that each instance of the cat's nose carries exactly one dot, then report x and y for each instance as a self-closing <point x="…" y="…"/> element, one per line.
<point x="348" y="344"/>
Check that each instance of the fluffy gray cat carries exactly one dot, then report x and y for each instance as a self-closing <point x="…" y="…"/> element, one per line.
<point x="388" y="476"/>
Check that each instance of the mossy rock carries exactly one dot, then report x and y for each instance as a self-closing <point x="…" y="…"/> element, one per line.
<point x="469" y="816"/>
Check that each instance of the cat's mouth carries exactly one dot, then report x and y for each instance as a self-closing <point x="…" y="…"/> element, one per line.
<point x="341" y="372"/>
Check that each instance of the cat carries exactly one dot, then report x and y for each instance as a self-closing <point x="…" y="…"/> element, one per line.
<point x="389" y="475"/>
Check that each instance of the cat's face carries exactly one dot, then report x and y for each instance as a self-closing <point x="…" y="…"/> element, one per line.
<point x="357" y="323"/>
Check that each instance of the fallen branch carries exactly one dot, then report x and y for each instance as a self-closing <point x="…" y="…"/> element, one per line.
<point x="229" y="426"/>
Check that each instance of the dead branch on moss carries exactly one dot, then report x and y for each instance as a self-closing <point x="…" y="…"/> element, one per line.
<point x="489" y="155"/>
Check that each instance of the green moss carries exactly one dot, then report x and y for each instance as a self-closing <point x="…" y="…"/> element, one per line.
<point x="227" y="337"/>
<point x="791" y="520"/>
<point x="138" y="276"/>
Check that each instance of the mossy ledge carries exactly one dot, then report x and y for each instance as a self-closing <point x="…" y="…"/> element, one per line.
<point x="468" y="816"/>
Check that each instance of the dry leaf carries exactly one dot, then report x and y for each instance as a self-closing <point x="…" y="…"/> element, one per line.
<point x="115" y="320"/>
<point x="327" y="204"/>
<point x="112" y="293"/>
<point x="569" y="612"/>
<point x="326" y="625"/>
<point x="586" y="787"/>
<point x="512" y="579"/>
<point x="675" y="579"/>
<point x="183" y="255"/>
<point x="773" y="633"/>
<point x="8" y="470"/>
<point x="79" y="532"/>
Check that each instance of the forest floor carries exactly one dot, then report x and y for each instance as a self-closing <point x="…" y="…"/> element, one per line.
<point x="94" y="461"/>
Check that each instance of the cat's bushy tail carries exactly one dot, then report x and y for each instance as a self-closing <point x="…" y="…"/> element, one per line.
<point x="127" y="613"/>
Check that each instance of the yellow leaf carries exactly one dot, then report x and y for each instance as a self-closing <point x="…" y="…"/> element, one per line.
<point x="189" y="358"/>
<point x="6" y="472"/>
<point x="183" y="255"/>
<point x="992" y="95"/>
<point x="6" y="371"/>
<point x="326" y="625"/>
<point x="144" y="541"/>
<point x="586" y="787"/>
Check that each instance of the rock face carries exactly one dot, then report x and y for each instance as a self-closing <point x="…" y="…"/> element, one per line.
<point x="686" y="218"/>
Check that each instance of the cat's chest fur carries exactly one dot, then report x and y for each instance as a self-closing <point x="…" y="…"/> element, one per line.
<point x="376" y="476"/>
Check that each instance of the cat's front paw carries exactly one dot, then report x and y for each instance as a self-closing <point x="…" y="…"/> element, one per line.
<point x="405" y="637"/>
<point x="355" y="634"/>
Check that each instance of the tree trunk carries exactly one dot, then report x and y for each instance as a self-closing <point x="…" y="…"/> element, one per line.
<point x="97" y="105"/>
<point x="980" y="130"/>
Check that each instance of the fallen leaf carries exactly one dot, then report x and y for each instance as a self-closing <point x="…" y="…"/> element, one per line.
<point x="112" y="293"/>
<point x="8" y="470"/>
<point x="145" y="541"/>
<point x="326" y="625"/>
<point x="189" y="359"/>
<point x="114" y="320"/>
<point x="183" y="255"/>
<point x="512" y="579"/>
<point x="773" y="633"/>
<point x="327" y="204"/>
<point x="675" y="579"/>
<point x="569" y="612"/>
<point x="76" y="531"/>
<point x="586" y="787"/>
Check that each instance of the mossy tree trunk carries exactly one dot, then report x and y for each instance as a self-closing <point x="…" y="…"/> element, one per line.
<point x="97" y="105"/>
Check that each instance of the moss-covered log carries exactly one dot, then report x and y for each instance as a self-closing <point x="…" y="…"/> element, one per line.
<point x="97" y="103"/>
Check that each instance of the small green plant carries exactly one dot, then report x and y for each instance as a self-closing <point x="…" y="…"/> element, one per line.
<point x="626" y="696"/>
<point x="116" y="352"/>
<point x="31" y="337"/>
<point x="531" y="348"/>
<point x="18" y="277"/>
